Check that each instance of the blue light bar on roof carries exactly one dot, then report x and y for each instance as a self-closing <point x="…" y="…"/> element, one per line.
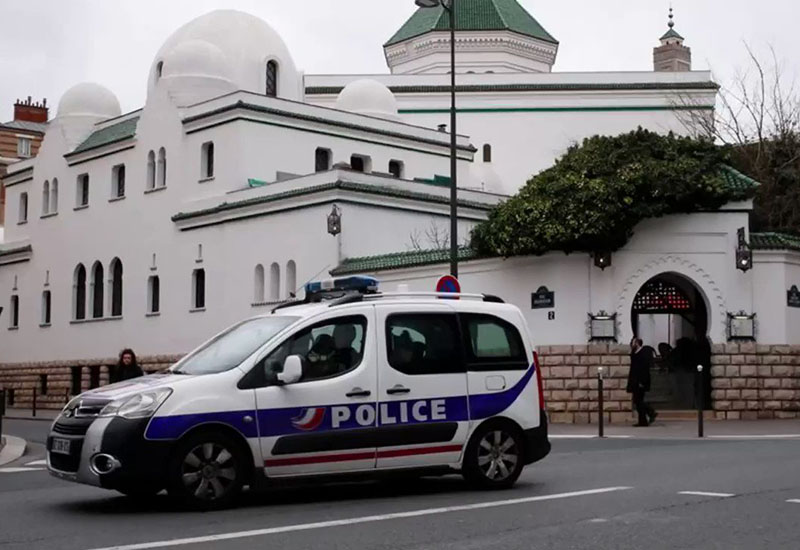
<point x="356" y="283"/>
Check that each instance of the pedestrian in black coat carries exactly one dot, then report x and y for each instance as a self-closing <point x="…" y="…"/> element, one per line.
<point x="639" y="381"/>
<point x="126" y="368"/>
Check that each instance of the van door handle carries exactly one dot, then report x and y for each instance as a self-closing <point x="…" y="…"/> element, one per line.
<point x="358" y="392"/>
<point x="397" y="390"/>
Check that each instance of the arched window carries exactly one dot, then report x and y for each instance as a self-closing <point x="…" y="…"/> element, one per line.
<point x="159" y="69"/>
<point x="153" y="294"/>
<point x="97" y="290"/>
<point x="54" y="197"/>
<point x="322" y="160"/>
<point x="45" y="197"/>
<point x="151" y="170"/>
<point x="23" y="208"/>
<point x="272" y="79"/>
<point x="116" y="287"/>
<point x="199" y="289"/>
<point x="275" y="282"/>
<point x="46" y="307"/>
<point x="396" y="168"/>
<point x="162" y="167"/>
<point x="82" y="192"/>
<point x="487" y="153"/>
<point x="79" y="293"/>
<point x="291" y="278"/>
<point x="118" y="181"/>
<point x="258" y="291"/>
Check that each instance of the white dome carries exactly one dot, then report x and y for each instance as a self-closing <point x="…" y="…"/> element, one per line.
<point x="484" y="178"/>
<point x="89" y="99"/>
<point x="196" y="58"/>
<point x="246" y="44"/>
<point x="368" y="97"/>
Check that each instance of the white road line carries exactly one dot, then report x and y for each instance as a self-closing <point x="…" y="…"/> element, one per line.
<point x="37" y="463"/>
<point x="363" y="519"/>
<point x="706" y="494"/>
<point x="773" y="436"/>
<point x="15" y="470"/>
<point x="794" y="500"/>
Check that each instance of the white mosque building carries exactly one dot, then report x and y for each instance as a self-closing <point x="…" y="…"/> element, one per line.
<point x="213" y="202"/>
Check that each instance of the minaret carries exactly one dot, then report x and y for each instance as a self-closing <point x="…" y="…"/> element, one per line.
<point x="672" y="55"/>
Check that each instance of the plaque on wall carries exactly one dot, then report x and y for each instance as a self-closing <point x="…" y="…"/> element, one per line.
<point x="793" y="297"/>
<point x="543" y="299"/>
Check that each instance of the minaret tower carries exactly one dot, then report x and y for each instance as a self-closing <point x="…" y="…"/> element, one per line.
<point x="672" y="55"/>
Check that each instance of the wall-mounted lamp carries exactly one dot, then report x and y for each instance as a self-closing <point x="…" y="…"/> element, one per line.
<point x="335" y="221"/>
<point x="744" y="256"/>
<point x="602" y="259"/>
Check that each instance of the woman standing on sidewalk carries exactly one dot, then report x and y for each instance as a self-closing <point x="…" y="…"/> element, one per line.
<point x="126" y="368"/>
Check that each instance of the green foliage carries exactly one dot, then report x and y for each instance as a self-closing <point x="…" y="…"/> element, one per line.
<point x="593" y="197"/>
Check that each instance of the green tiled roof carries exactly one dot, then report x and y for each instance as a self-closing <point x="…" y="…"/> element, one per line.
<point x="474" y="15"/>
<point x="774" y="241"/>
<point x="108" y="135"/>
<point x="400" y="260"/>
<point x="738" y="181"/>
<point x="672" y="33"/>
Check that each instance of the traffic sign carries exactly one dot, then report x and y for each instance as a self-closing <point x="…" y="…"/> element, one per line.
<point x="448" y="283"/>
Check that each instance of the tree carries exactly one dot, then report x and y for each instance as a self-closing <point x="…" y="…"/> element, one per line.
<point x="598" y="191"/>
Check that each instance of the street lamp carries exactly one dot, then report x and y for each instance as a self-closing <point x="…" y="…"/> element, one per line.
<point x="449" y="7"/>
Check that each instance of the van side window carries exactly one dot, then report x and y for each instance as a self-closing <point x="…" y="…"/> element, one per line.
<point x="423" y="343"/>
<point x="492" y="343"/>
<point x="328" y="349"/>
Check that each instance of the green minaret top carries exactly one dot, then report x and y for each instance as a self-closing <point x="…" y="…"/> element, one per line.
<point x="474" y="15"/>
<point x="671" y="33"/>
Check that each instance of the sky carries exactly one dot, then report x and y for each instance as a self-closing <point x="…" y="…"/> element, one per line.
<point x="49" y="45"/>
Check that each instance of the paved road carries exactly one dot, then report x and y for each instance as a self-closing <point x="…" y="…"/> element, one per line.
<point x="749" y="485"/>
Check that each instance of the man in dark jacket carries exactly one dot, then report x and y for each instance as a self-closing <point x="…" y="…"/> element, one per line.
<point x="126" y="368"/>
<point x="639" y="382"/>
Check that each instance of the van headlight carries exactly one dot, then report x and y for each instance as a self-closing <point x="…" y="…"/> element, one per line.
<point x="141" y="405"/>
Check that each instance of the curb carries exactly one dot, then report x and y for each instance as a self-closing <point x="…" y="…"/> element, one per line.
<point x="35" y="418"/>
<point x="13" y="449"/>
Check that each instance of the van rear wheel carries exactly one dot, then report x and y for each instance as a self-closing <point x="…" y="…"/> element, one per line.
<point x="493" y="459"/>
<point x="207" y="471"/>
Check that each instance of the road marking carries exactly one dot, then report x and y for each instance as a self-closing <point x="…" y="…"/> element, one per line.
<point x="706" y="494"/>
<point x="587" y="436"/>
<point x="794" y="500"/>
<point x="37" y="463"/>
<point x="357" y="520"/>
<point x="15" y="470"/>
<point x="773" y="436"/>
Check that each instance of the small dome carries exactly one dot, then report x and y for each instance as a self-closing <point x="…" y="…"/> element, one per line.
<point x="368" y="97"/>
<point x="89" y="99"/>
<point x="483" y="177"/>
<point x="195" y="58"/>
<point x="246" y="43"/>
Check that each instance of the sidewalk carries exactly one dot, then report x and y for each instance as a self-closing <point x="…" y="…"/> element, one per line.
<point x="684" y="429"/>
<point x="13" y="448"/>
<point x="45" y="415"/>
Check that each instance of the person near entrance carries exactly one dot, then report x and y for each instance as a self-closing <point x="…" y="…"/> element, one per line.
<point x="639" y="381"/>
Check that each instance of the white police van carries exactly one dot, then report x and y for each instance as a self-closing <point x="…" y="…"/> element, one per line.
<point x="347" y="381"/>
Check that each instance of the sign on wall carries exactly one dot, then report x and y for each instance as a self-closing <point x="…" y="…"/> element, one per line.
<point x="793" y="297"/>
<point x="543" y="299"/>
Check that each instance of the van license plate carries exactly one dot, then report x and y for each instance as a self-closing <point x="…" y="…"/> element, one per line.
<point x="60" y="446"/>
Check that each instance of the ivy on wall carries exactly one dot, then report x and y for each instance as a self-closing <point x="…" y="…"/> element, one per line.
<point x="598" y="191"/>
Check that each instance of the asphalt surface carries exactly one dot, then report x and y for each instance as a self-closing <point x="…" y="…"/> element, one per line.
<point x="640" y="505"/>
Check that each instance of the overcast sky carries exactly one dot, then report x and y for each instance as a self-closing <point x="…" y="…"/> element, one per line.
<point x="49" y="45"/>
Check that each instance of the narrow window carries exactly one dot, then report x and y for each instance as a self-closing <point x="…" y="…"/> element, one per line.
<point x="396" y="168"/>
<point x="23" y="208"/>
<point x="42" y="384"/>
<point x="76" y="377"/>
<point x="199" y="289"/>
<point x="151" y="170"/>
<point x="82" y="191"/>
<point x="94" y="376"/>
<point x="14" y="320"/>
<point x="207" y="157"/>
<point x="97" y="290"/>
<point x="272" y="79"/>
<point x="153" y="294"/>
<point x="159" y="69"/>
<point x="118" y="181"/>
<point x="46" y="307"/>
<point x="322" y="160"/>
<point x="361" y="163"/>
<point x="45" y="198"/>
<point x="291" y="278"/>
<point x="487" y="153"/>
<point x="274" y="282"/>
<point x="24" y="147"/>
<point x="162" y="168"/>
<point x="116" y="287"/>
<point x="54" y="197"/>
<point x="79" y="293"/>
<point x="258" y="291"/>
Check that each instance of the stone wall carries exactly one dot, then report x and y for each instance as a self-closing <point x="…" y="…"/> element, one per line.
<point x="25" y="378"/>
<point x="751" y="381"/>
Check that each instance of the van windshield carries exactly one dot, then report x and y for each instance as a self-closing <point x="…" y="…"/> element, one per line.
<point x="233" y="346"/>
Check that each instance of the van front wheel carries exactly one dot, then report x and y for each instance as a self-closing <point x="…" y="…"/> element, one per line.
<point x="493" y="459"/>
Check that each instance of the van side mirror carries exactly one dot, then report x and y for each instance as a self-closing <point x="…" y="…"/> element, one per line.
<point x="292" y="370"/>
